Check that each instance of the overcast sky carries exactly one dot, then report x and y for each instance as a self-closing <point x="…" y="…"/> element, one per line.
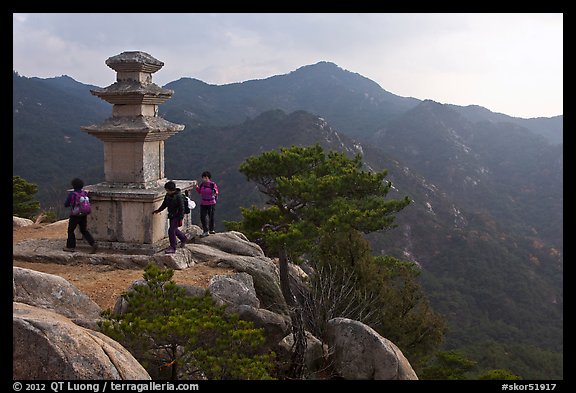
<point x="508" y="63"/>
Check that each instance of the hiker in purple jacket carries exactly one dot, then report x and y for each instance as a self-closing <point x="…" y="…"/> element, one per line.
<point x="208" y="191"/>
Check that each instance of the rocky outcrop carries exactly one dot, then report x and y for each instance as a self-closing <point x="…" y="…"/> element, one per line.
<point x="234" y="289"/>
<point x="359" y="352"/>
<point x="276" y="326"/>
<point x="263" y="270"/>
<point x="49" y="346"/>
<point x="237" y="292"/>
<point x="56" y="315"/>
<point x="18" y="222"/>
<point x="235" y="243"/>
<point x="54" y="293"/>
<point x="315" y="357"/>
<point x="55" y="333"/>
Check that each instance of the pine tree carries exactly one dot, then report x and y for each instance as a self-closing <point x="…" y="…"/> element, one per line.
<point x="177" y="336"/>
<point x="23" y="203"/>
<point x="318" y="207"/>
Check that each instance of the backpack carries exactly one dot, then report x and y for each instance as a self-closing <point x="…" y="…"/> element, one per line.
<point x="186" y="204"/>
<point x="80" y="203"/>
<point x="213" y="190"/>
<point x="189" y="204"/>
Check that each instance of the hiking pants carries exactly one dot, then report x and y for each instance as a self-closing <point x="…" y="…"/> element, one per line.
<point x="207" y="217"/>
<point x="81" y="221"/>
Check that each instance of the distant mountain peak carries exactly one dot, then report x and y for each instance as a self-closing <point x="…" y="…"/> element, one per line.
<point x="321" y="64"/>
<point x="323" y="68"/>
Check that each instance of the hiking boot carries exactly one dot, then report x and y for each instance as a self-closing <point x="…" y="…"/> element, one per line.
<point x="170" y="251"/>
<point x="183" y="243"/>
<point x="204" y="234"/>
<point x="94" y="248"/>
<point x="68" y="249"/>
<point x="212" y="232"/>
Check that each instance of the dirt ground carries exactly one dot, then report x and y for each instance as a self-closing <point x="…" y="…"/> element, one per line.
<point x="102" y="283"/>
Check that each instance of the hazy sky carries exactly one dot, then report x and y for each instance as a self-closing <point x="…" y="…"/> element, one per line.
<point x="509" y="63"/>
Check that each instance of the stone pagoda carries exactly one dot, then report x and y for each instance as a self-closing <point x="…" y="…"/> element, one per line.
<point x="133" y="139"/>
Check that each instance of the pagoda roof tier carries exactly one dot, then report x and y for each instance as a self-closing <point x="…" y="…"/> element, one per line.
<point x="134" y="62"/>
<point x="133" y="92"/>
<point x="135" y="128"/>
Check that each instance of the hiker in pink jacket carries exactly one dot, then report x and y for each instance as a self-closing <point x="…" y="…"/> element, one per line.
<point x="208" y="191"/>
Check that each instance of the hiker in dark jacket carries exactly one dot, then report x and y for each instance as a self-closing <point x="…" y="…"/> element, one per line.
<point x="174" y="201"/>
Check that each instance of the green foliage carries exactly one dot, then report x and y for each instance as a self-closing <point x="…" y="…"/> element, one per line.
<point x="448" y="365"/>
<point x="177" y="336"/>
<point x="451" y="365"/>
<point x="398" y="308"/>
<point x="496" y="317"/>
<point x="23" y="203"/>
<point x="520" y="359"/>
<point x="499" y="375"/>
<point x="406" y="316"/>
<point x="320" y="205"/>
<point x="309" y="191"/>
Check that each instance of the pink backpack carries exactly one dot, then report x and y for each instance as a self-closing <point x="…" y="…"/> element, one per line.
<point x="80" y="203"/>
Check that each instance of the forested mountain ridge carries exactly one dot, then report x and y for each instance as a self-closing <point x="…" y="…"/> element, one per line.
<point x="47" y="143"/>
<point x="550" y="128"/>
<point x="323" y="89"/>
<point x="485" y="225"/>
<point x="352" y="103"/>
<point x="488" y="167"/>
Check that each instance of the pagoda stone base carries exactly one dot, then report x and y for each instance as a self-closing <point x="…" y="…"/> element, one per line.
<point x="122" y="218"/>
<point x="133" y="248"/>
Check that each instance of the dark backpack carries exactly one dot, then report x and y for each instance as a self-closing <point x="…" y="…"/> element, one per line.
<point x="80" y="203"/>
